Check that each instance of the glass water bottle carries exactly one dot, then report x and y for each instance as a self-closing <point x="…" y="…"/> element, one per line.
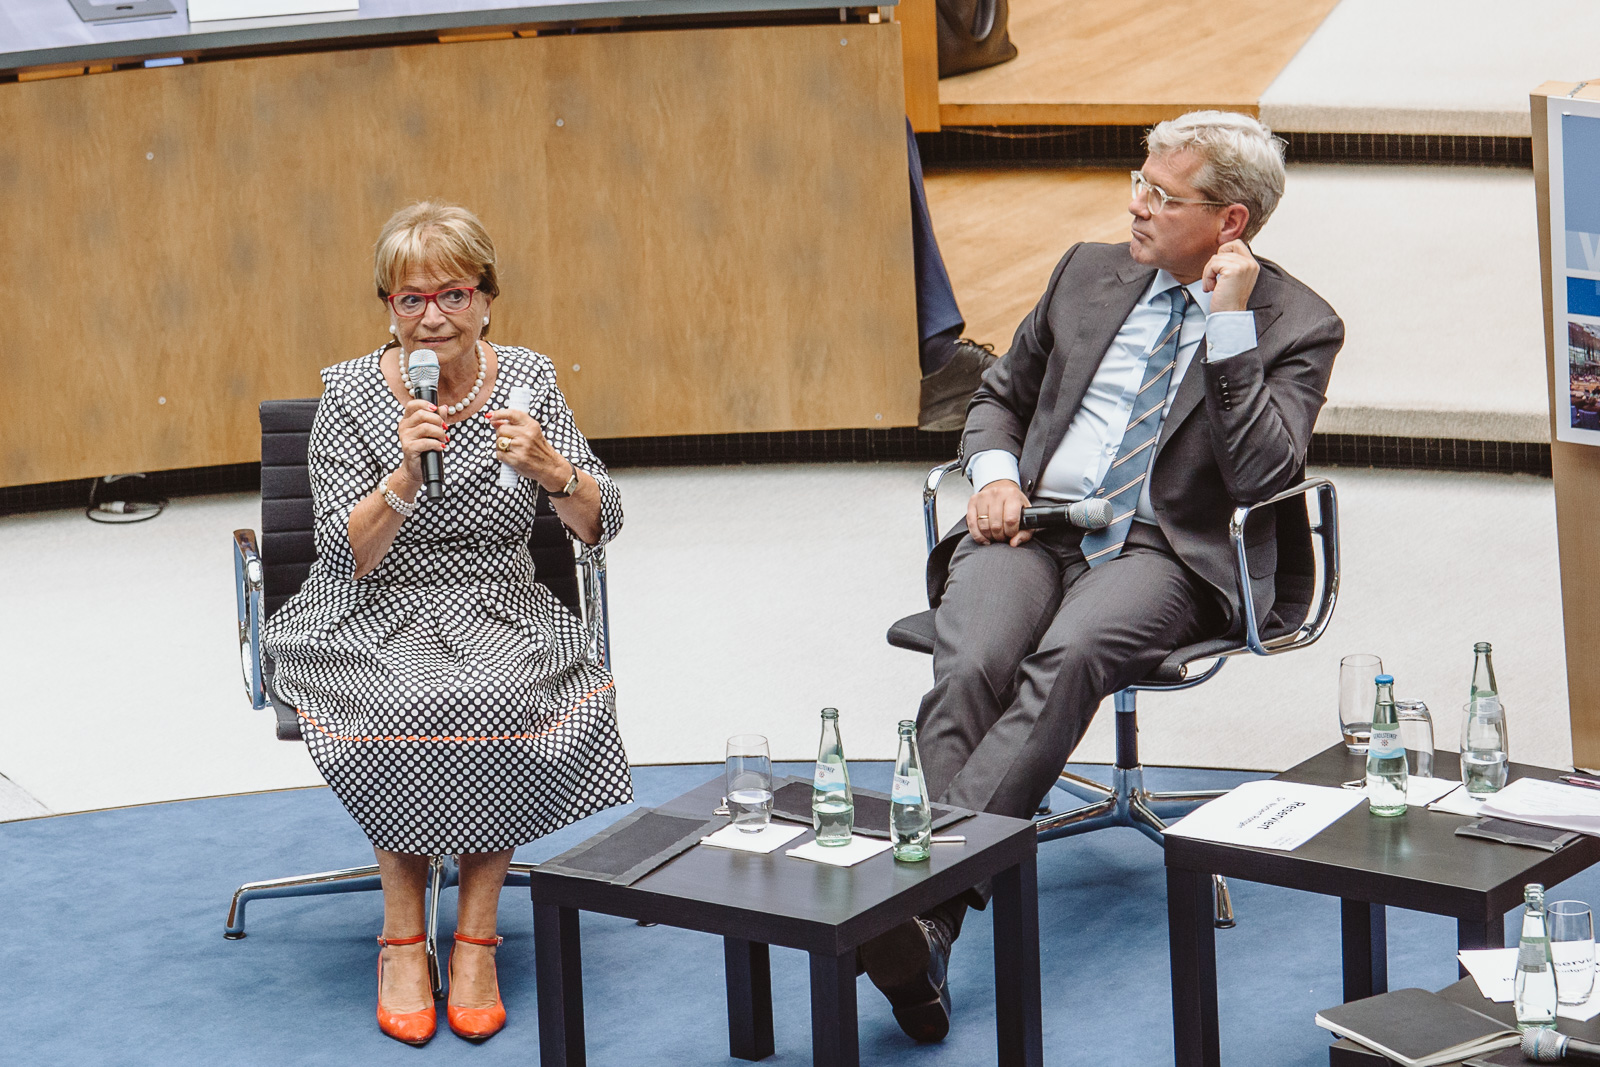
<point x="1386" y="756"/>
<point x="1535" y="994"/>
<point x="1485" y="751"/>
<point x="910" y="823"/>
<point x="833" y="809"/>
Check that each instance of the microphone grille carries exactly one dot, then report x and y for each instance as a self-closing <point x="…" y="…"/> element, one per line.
<point x="422" y="368"/>
<point x="1096" y="514"/>
<point x="1542" y="1045"/>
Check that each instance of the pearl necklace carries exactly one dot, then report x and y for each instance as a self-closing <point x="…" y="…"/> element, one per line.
<point x="466" y="401"/>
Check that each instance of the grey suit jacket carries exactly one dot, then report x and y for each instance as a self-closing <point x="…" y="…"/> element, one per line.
<point x="1237" y="431"/>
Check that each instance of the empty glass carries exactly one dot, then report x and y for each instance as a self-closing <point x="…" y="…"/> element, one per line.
<point x="1572" y="950"/>
<point x="749" y="782"/>
<point x="1416" y="733"/>
<point x="1357" y="693"/>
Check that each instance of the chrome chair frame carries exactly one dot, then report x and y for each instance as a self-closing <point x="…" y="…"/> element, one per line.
<point x="1126" y="802"/>
<point x="443" y="872"/>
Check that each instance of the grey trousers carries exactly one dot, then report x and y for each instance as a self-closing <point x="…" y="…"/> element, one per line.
<point x="1029" y="641"/>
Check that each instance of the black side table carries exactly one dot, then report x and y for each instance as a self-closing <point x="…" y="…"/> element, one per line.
<point x="754" y="901"/>
<point x="1414" y="861"/>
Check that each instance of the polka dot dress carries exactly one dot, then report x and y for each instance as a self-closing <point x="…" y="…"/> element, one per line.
<point x="445" y="696"/>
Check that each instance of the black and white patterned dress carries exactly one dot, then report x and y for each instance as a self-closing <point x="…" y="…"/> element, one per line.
<point x="445" y="696"/>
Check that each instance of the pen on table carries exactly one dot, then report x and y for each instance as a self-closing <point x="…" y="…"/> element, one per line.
<point x="958" y="839"/>
<point x="1572" y="779"/>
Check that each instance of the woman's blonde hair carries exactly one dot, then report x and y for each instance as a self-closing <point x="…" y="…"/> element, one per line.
<point x="431" y="236"/>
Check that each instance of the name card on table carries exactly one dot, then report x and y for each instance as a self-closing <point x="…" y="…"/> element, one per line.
<point x="216" y="10"/>
<point x="1277" y="815"/>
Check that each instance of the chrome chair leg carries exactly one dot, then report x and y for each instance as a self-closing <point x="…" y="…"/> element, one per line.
<point x="1083" y="788"/>
<point x="1224" y="903"/>
<point x="349" y="880"/>
<point x="437" y="874"/>
<point x="1078" y="820"/>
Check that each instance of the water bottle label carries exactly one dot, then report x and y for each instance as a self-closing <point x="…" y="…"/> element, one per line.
<point x="1385" y="743"/>
<point x="906" y="788"/>
<point x="829" y="776"/>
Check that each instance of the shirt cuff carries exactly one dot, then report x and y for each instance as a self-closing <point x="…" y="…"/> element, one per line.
<point x="1228" y="333"/>
<point x="992" y="465"/>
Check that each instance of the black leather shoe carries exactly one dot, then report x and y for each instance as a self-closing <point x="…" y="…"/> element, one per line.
<point x="910" y="965"/>
<point x="947" y="391"/>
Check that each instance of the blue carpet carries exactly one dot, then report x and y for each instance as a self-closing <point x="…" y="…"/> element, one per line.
<point x="114" y="952"/>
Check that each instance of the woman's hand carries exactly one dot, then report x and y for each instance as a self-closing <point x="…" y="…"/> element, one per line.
<point x="421" y="430"/>
<point x="521" y="444"/>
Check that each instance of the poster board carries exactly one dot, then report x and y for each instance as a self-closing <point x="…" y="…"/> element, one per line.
<point x="1574" y="140"/>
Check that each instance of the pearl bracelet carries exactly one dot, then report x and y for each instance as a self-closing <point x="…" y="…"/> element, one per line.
<point x="390" y="497"/>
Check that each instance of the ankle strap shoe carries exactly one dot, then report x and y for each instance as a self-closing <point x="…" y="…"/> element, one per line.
<point x="412" y="1027"/>
<point x="476" y="1024"/>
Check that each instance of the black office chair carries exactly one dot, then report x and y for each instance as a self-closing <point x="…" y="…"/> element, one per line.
<point x="268" y="575"/>
<point x="1305" y="581"/>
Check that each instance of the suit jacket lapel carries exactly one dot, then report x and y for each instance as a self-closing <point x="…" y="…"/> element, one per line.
<point x="1110" y="300"/>
<point x="1192" y="389"/>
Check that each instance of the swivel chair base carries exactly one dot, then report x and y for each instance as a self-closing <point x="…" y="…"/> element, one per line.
<point x="442" y="874"/>
<point x="1128" y="803"/>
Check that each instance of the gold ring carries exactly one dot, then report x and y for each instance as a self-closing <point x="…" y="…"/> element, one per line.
<point x="503" y="443"/>
<point x="982" y="516"/>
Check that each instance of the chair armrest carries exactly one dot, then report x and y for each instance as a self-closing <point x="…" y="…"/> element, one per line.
<point x="247" y="578"/>
<point x="591" y="560"/>
<point x="1326" y="529"/>
<point x="930" y="500"/>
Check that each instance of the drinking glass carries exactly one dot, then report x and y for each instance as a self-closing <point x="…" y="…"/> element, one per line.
<point x="1572" y="950"/>
<point x="1416" y="734"/>
<point x="749" y="782"/>
<point x="1358" y="692"/>
<point x="1485" y="753"/>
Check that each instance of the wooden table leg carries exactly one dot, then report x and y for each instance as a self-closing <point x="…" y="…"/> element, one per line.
<point x="1017" y="998"/>
<point x="1193" y="943"/>
<point x="833" y="1011"/>
<point x="1488" y="932"/>
<point x="1364" y="929"/>
<point x="748" y="967"/>
<point x="558" y="972"/>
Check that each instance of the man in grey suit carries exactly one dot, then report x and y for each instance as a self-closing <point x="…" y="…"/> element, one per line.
<point x="1176" y="376"/>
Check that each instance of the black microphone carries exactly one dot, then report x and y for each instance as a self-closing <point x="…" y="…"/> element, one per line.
<point x="1091" y="514"/>
<point x="424" y="374"/>
<point x="1546" y="1046"/>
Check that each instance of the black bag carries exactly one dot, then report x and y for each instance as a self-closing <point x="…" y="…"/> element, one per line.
<point x="972" y="35"/>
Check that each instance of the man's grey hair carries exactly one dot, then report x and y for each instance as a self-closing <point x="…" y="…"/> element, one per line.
<point x="1241" y="162"/>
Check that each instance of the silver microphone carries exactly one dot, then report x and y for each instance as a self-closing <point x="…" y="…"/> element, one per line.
<point x="423" y="370"/>
<point x="1543" y="1045"/>
<point x="1091" y="514"/>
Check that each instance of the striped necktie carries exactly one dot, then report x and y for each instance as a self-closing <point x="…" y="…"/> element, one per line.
<point x="1125" y="479"/>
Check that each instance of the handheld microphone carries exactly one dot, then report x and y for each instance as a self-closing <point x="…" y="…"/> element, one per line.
<point x="424" y="374"/>
<point x="1547" y="1046"/>
<point x="1091" y="514"/>
<point x="521" y="400"/>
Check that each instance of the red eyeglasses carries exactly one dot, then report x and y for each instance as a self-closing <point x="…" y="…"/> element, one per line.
<point x="451" y="301"/>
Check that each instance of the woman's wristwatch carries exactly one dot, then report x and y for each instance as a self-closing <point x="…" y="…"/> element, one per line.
<point x="568" y="489"/>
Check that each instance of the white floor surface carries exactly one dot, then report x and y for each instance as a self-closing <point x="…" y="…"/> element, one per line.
<point x="1432" y="66"/>
<point x="118" y="641"/>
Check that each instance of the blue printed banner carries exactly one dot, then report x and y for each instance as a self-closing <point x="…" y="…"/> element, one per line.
<point x="1574" y="128"/>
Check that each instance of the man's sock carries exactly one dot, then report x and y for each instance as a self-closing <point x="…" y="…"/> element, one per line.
<point x="937" y="350"/>
<point x="949" y="916"/>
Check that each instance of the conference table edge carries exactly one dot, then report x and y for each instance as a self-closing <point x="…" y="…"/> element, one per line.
<point x="384" y="30"/>
<point x="750" y="923"/>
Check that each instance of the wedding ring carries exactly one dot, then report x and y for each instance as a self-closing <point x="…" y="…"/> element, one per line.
<point x="503" y="443"/>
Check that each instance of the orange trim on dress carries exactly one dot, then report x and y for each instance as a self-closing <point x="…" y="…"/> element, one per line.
<point x="459" y="737"/>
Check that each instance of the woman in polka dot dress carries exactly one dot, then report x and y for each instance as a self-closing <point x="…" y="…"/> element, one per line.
<point x="443" y="695"/>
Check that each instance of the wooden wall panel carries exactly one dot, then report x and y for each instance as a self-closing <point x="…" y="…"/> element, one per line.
<point x="919" y="43"/>
<point x="718" y="234"/>
<point x="1576" y="472"/>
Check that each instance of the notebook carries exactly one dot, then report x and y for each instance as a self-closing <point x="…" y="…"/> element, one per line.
<point x="1416" y="1028"/>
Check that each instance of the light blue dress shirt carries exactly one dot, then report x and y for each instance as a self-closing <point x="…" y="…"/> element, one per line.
<point x="1086" y="452"/>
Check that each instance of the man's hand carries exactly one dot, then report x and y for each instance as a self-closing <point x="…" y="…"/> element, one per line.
<point x="994" y="513"/>
<point x="1230" y="277"/>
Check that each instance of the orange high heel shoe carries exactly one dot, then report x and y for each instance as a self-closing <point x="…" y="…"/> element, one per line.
<point x="412" y="1027"/>
<point x="476" y="1024"/>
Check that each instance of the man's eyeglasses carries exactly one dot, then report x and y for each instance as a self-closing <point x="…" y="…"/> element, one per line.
<point x="450" y="301"/>
<point x="1156" y="199"/>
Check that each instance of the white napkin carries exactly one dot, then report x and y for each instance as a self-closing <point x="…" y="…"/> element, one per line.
<point x="1421" y="790"/>
<point x="772" y="837"/>
<point x="1458" y="802"/>
<point x="859" y="848"/>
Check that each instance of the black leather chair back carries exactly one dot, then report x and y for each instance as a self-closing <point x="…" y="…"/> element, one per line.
<point x="287" y="545"/>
